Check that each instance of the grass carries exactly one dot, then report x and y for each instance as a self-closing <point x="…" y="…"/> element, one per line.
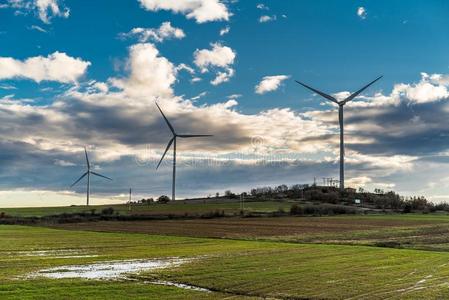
<point x="427" y="232"/>
<point x="229" y="267"/>
<point x="174" y="208"/>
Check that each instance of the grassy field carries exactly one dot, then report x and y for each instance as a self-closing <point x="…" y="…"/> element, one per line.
<point x="172" y="208"/>
<point x="415" y="231"/>
<point x="233" y="269"/>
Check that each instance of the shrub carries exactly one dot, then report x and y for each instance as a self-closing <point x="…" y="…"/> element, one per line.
<point x="163" y="199"/>
<point x="388" y="244"/>
<point x="295" y="209"/>
<point x="107" y="211"/>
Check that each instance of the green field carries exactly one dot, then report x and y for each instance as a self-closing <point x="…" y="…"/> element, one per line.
<point x="232" y="269"/>
<point x="174" y="208"/>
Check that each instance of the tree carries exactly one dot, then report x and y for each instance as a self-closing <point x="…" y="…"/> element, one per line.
<point x="163" y="199"/>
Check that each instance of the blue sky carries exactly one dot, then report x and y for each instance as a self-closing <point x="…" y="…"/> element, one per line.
<point x="99" y="89"/>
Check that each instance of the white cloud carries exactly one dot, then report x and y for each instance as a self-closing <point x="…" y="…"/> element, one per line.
<point x="45" y="9"/>
<point x="101" y="87"/>
<point x="218" y="57"/>
<point x="63" y="163"/>
<point x="184" y="67"/>
<point x="50" y="8"/>
<point x="266" y="18"/>
<point x="200" y="10"/>
<point x="200" y="95"/>
<point x="440" y="79"/>
<point x="223" y="76"/>
<point x="262" y="6"/>
<point x="164" y="32"/>
<point x="150" y="73"/>
<point x="270" y="83"/>
<point x="38" y="28"/>
<point x="57" y="67"/>
<point x="7" y="87"/>
<point x="225" y="30"/>
<point x="430" y="88"/>
<point x="361" y="12"/>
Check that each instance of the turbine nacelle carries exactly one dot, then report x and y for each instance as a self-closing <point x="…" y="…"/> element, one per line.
<point x="333" y="99"/>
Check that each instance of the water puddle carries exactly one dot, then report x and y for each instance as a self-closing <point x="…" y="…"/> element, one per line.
<point x="180" y="285"/>
<point x="107" y="270"/>
<point x="117" y="270"/>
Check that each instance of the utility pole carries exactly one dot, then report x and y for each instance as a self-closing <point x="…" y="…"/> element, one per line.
<point x="242" y="202"/>
<point x="129" y="200"/>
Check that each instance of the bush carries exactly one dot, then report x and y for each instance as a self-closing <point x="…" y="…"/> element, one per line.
<point x="388" y="244"/>
<point x="163" y="199"/>
<point x="107" y="211"/>
<point x="295" y="209"/>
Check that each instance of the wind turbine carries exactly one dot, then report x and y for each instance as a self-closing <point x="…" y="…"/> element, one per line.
<point x="173" y="141"/>
<point x="341" y="104"/>
<point x="87" y="173"/>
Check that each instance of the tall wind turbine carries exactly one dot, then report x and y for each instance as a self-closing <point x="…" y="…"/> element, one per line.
<point x="87" y="173"/>
<point x="173" y="141"/>
<point x="340" y="104"/>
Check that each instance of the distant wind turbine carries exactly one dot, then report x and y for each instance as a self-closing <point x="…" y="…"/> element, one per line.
<point x="87" y="173"/>
<point x="173" y="141"/>
<point x="340" y="119"/>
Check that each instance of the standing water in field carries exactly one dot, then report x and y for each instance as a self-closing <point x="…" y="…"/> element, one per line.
<point x="108" y="270"/>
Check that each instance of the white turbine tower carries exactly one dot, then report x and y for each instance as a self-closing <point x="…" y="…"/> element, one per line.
<point x="87" y="173"/>
<point x="340" y="104"/>
<point x="173" y="141"/>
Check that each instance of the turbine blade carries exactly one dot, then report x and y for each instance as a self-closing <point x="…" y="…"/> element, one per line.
<point x="355" y="94"/>
<point x="100" y="175"/>
<point x="82" y="176"/>
<point x="87" y="158"/>
<point x="329" y="97"/>
<point x="193" y="135"/>
<point x="166" y="149"/>
<point x="166" y="120"/>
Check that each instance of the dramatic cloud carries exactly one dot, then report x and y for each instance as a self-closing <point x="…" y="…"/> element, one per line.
<point x="55" y="67"/>
<point x="388" y="136"/>
<point x="270" y="83"/>
<point x="164" y="32"/>
<point x="200" y="10"/>
<point x="44" y="9"/>
<point x="361" y="12"/>
<point x="219" y="56"/>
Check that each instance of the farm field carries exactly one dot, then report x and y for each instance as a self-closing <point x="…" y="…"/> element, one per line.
<point x="427" y="232"/>
<point x="171" y="208"/>
<point x="229" y="268"/>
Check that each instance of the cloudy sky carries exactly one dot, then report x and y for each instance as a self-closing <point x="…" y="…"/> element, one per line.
<point x="75" y="74"/>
